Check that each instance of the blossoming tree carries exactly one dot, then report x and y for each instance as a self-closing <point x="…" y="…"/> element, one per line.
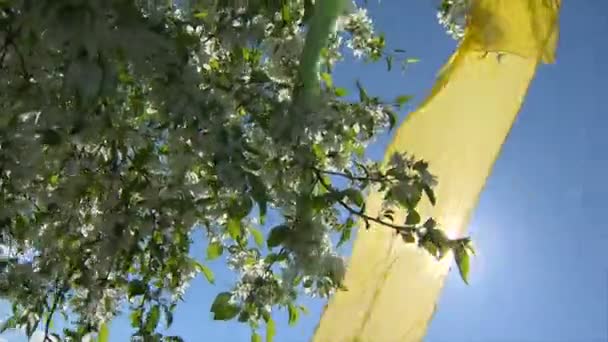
<point x="126" y="126"/>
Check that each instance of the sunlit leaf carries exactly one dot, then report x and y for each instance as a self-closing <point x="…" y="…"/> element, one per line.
<point x="293" y="314"/>
<point x="206" y="271"/>
<point x="223" y="309"/>
<point x="214" y="250"/>
<point x="258" y="237"/>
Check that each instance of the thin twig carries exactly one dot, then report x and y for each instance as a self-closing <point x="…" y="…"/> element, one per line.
<point x="47" y="327"/>
<point x="359" y="213"/>
<point x="354" y="178"/>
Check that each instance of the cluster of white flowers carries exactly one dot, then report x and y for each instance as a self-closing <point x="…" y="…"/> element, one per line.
<point x="452" y="15"/>
<point x="361" y="28"/>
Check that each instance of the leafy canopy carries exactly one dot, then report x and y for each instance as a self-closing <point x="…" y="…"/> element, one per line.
<point x="127" y="126"/>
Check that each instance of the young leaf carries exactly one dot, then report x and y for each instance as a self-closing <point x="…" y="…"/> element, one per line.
<point x="327" y="79"/>
<point x="430" y="194"/>
<point x="412" y="218"/>
<point x="389" y="62"/>
<point x="303" y="309"/>
<point x="363" y="97"/>
<point x="258" y="237"/>
<point x="402" y="99"/>
<point x="104" y="333"/>
<point x="408" y="237"/>
<point x="206" y="271"/>
<point x="234" y="228"/>
<point x="135" y="317"/>
<point x="240" y="208"/>
<point x="392" y="117"/>
<point x="255" y="337"/>
<point x="271" y="329"/>
<point x="345" y="236"/>
<point x="430" y="224"/>
<point x="355" y="196"/>
<point x="223" y="309"/>
<point x="277" y="235"/>
<point x="462" y="260"/>
<point x="293" y="314"/>
<point x="201" y="15"/>
<point x="152" y="319"/>
<point x="340" y="92"/>
<point x="259" y="195"/>
<point x="137" y="288"/>
<point x="214" y="250"/>
<point x="168" y="315"/>
<point x="285" y="13"/>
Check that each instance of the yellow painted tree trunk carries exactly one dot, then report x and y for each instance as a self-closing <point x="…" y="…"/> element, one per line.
<point x="393" y="287"/>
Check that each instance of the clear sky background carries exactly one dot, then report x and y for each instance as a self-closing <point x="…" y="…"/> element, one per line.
<point x="542" y="271"/>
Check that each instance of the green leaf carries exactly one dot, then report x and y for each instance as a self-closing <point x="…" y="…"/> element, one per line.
<point x="293" y="314"/>
<point x="412" y="60"/>
<point x="206" y="271"/>
<point x="277" y="235"/>
<point x="240" y="208"/>
<point x="363" y="97"/>
<point x="402" y="99"/>
<point x="259" y="195"/>
<point x="104" y="333"/>
<point x="303" y="309"/>
<point x="430" y="224"/>
<point x="462" y="260"/>
<point x="152" y="319"/>
<point x="412" y="218"/>
<point x="340" y="92"/>
<point x="407" y="195"/>
<point x="327" y="79"/>
<point x="223" y="309"/>
<point x="10" y="323"/>
<point x="430" y="247"/>
<point x="214" y="250"/>
<point x="258" y="237"/>
<point x="50" y="137"/>
<point x="135" y="317"/>
<point x="168" y="315"/>
<point x="54" y="180"/>
<point x="468" y="245"/>
<point x="201" y="15"/>
<point x="285" y="14"/>
<point x="392" y="117"/>
<point x="137" y="288"/>
<point x="408" y="237"/>
<point x="271" y="329"/>
<point x="345" y="235"/>
<point x="430" y="194"/>
<point x="255" y="337"/>
<point x="355" y="196"/>
<point x="275" y="257"/>
<point x="389" y="62"/>
<point x="234" y="228"/>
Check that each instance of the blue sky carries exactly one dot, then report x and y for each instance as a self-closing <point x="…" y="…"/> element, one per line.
<point x="541" y="274"/>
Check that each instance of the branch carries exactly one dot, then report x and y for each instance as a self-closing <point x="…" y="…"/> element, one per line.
<point x="47" y="327"/>
<point x="360" y="213"/>
<point x="353" y="178"/>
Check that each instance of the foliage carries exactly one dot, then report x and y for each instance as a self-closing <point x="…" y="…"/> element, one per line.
<point x="127" y="126"/>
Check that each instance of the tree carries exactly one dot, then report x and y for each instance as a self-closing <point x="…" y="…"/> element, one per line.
<point x="126" y="126"/>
